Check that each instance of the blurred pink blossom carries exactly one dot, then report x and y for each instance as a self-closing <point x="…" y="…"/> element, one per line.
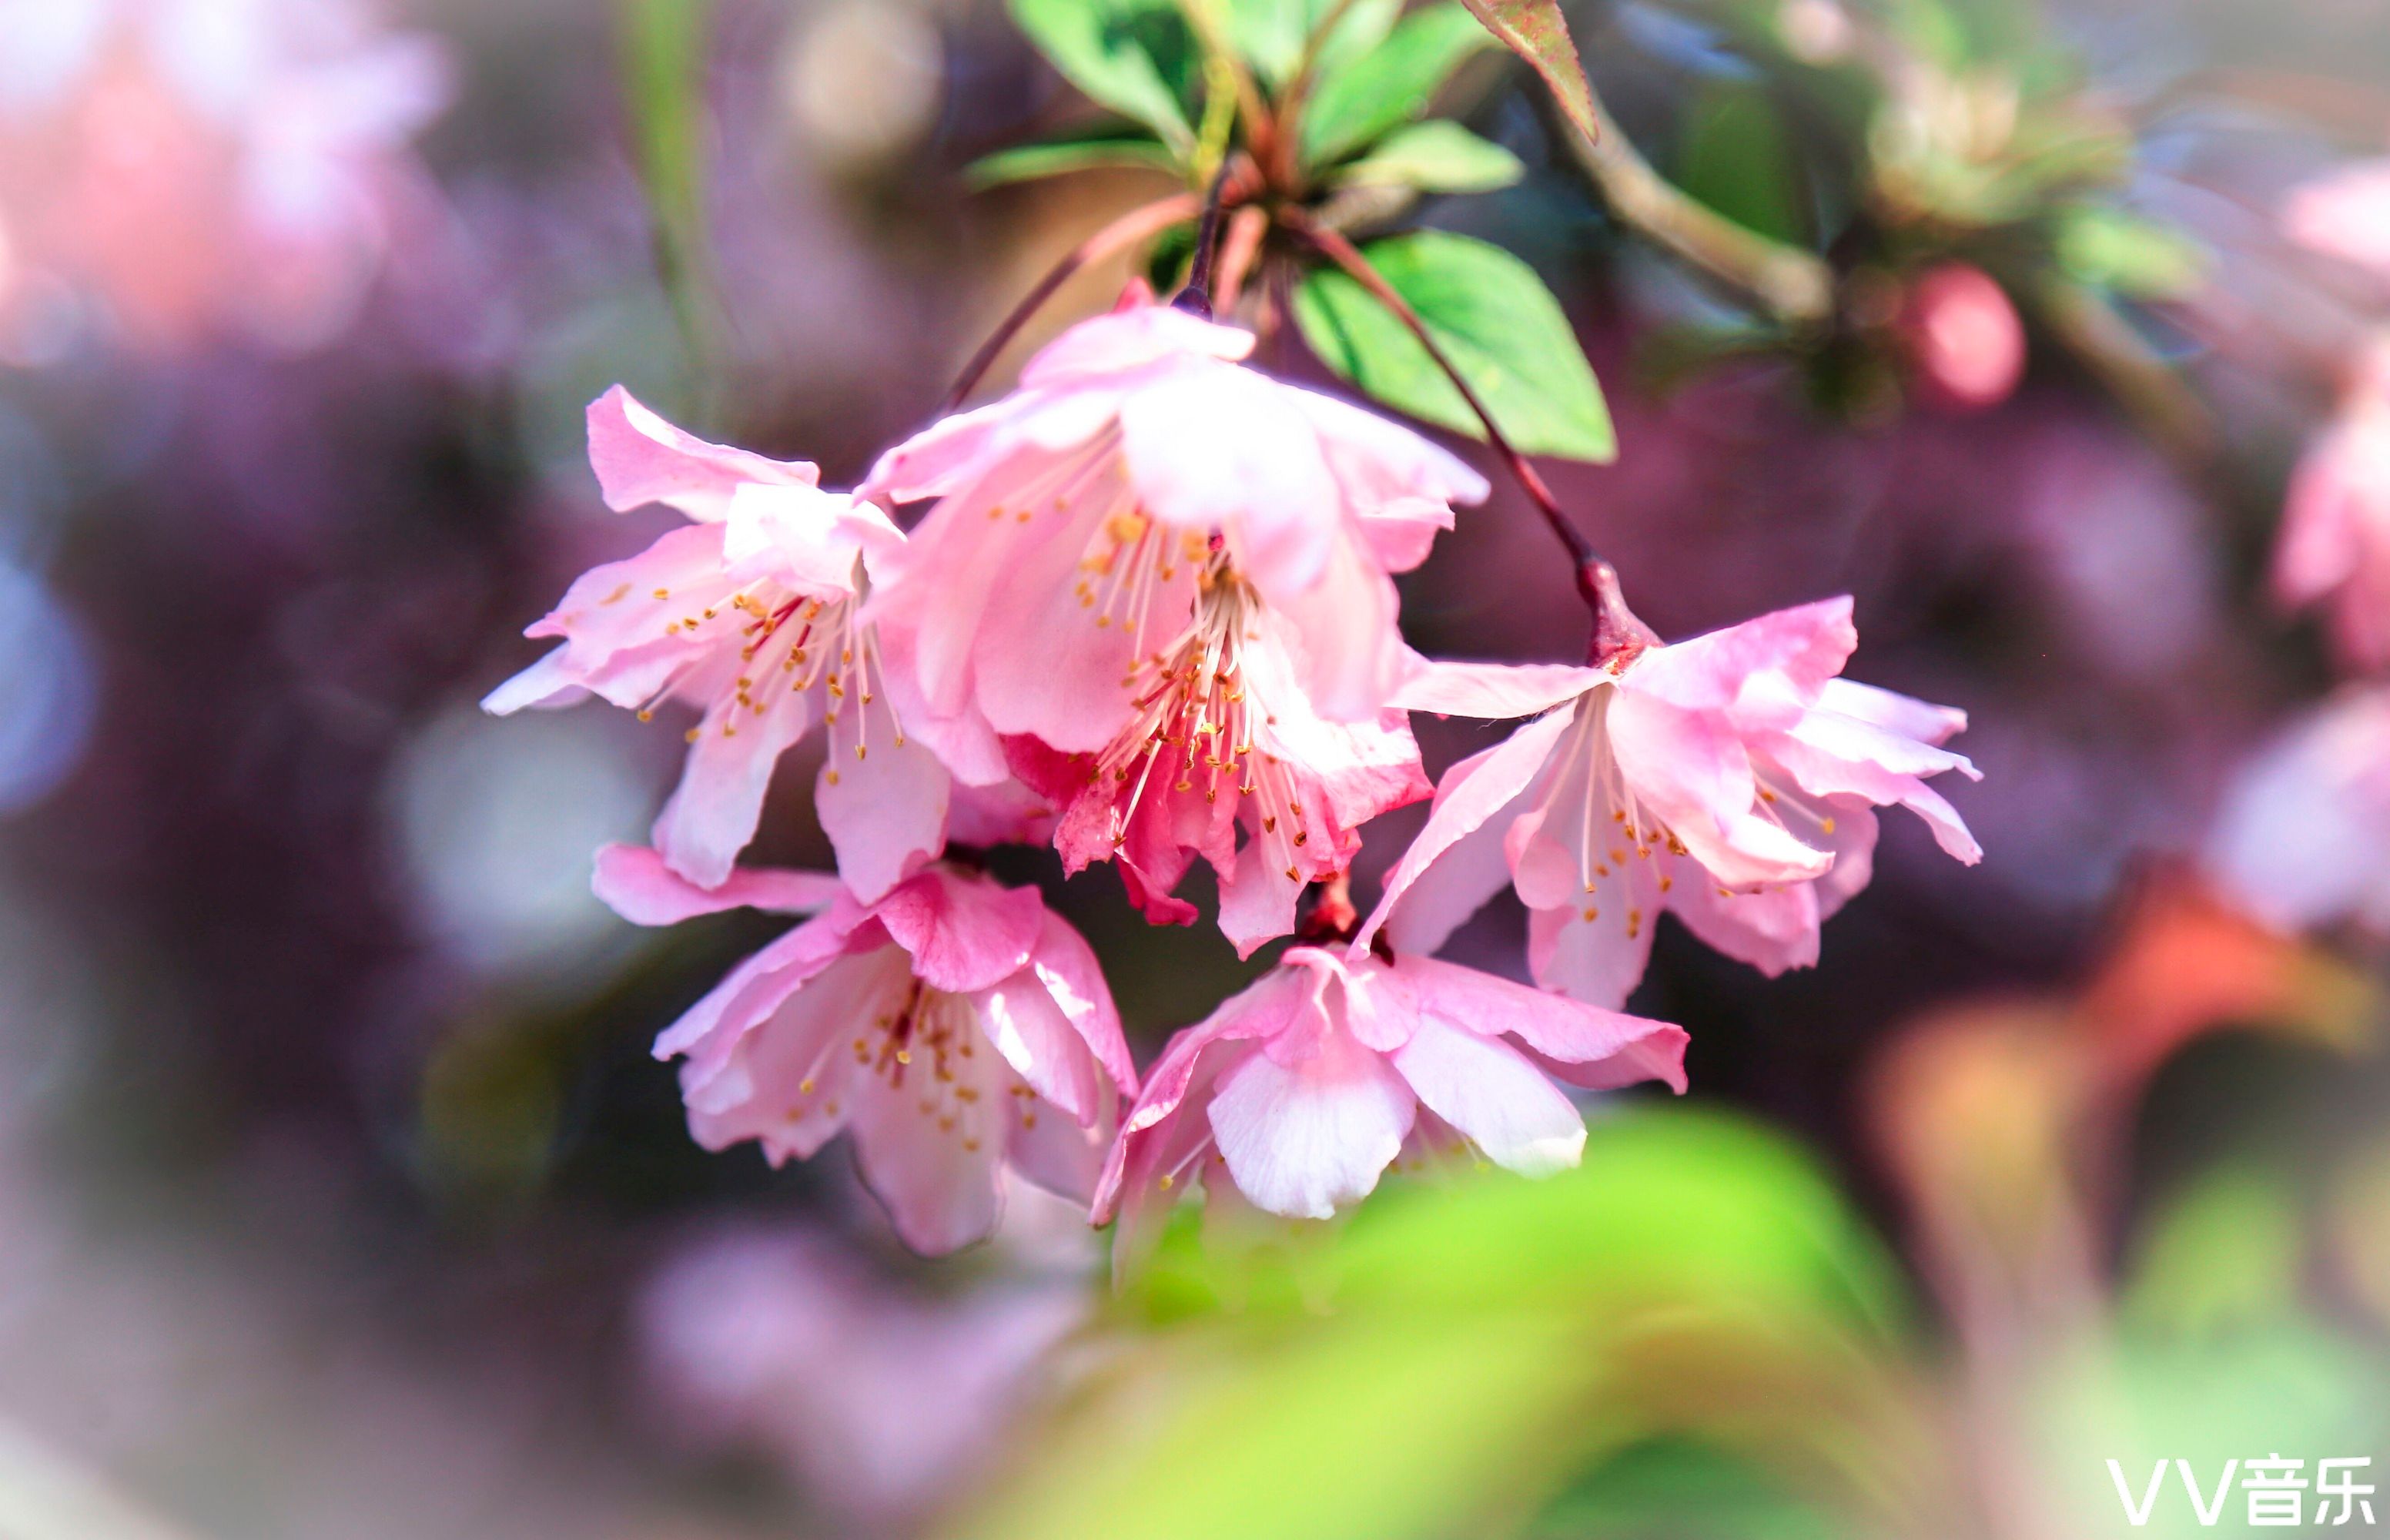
<point x="882" y="1399"/>
<point x="2335" y="540"/>
<point x="1307" y="1084"/>
<point x="2303" y="839"/>
<point x="955" y="1026"/>
<point x="1963" y="338"/>
<point x="2344" y="213"/>
<point x="1730" y="779"/>
<point x="750" y="613"/>
<point x="198" y="164"/>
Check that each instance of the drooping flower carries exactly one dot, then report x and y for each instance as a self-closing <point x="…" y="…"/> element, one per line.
<point x="1307" y="1085"/>
<point x="1172" y="573"/>
<point x="2335" y="540"/>
<point x="201" y="162"/>
<point x="2344" y="213"/>
<point x="750" y="613"/>
<point x="1729" y="779"/>
<point x="2303" y="840"/>
<point x="954" y="1026"/>
<point x="1224" y="736"/>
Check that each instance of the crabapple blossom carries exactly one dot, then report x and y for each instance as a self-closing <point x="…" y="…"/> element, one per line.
<point x="750" y="613"/>
<point x="2335" y="539"/>
<point x="193" y="163"/>
<point x="1171" y="573"/>
<point x="1729" y="779"/>
<point x="1304" y="1087"/>
<point x="954" y="1026"/>
<point x="2303" y="840"/>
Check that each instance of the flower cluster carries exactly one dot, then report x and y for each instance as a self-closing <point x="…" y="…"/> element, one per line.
<point x="1149" y="616"/>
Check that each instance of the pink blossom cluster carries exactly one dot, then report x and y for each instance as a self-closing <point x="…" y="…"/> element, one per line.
<point x="197" y="164"/>
<point x="1148" y="617"/>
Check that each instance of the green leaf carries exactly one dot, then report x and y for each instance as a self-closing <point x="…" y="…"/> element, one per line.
<point x="1132" y="55"/>
<point x="1537" y="32"/>
<point x="1490" y="315"/>
<point x="1028" y="162"/>
<point x="1438" y="156"/>
<point x="1391" y="85"/>
<point x="1271" y="34"/>
<point x="662" y="47"/>
<point x="2137" y="258"/>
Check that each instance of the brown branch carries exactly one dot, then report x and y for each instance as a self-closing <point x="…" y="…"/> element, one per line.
<point x="1618" y="635"/>
<point x="1129" y="228"/>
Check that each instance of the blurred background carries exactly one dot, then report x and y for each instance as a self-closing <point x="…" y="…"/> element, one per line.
<point x="340" y="1197"/>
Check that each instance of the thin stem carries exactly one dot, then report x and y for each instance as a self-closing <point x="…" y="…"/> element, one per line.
<point x="1617" y="635"/>
<point x="1238" y="247"/>
<point x="1791" y="283"/>
<point x="1129" y="228"/>
<point x="1197" y="296"/>
<point x="1292" y="100"/>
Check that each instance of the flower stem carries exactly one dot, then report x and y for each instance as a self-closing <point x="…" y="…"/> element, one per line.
<point x="1617" y="635"/>
<point x="1129" y="228"/>
<point x="1196" y="298"/>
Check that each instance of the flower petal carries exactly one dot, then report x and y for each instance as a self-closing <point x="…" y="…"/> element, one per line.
<point x="1299" y="1139"/>
<point x="640" y="458"/>
<point x="884" y="810"/>
<point x="965" y="932"/>
<point x="1487" y="1091"/>
<point x="633" y="881"/>
<point x="713" y="812"/>
<point x="938" y="1184"/>
<point x="1493" y="691"/>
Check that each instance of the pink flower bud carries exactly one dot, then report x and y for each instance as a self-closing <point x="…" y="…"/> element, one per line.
<point x="1963" y="338"/>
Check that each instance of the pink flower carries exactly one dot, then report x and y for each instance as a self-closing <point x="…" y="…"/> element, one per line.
<point x="750" y="613"/>
<point x="2335" y="539"/>
<point x="196" y="162"/>
<point x="1963" y="338"/>
<point x="2303" y="840"/>
<point x="955" y="1026"/>
<point x="1310" y="1082"/>
<point x="1224" y="736"/>
<point x="1137" y="485"/>
<point x="2344" y="215"/>
<point x="1729" y="778"/>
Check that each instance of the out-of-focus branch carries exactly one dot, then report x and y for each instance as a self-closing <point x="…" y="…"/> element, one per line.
<point x="1789" y="283"/>
<point x="2149" y="387"/>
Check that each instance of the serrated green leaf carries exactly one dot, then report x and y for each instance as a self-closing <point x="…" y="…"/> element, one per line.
<point x="1537" y="32"/>
<point x="1490" y="315"/>
<point x="1132" y="55"/>
<point x="1391" y="85"/>
<point x="2137" y="258"/>
<point x="1028" y="162"/>
<point x="1271" y="34"/>
<point x="1438" y="156"/>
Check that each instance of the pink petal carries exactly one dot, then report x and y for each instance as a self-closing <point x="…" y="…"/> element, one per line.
<point x="1301" y="1139"/>
<point x="1257" y="902"/>
<point x="1597" y="961"/>
<point x="1456" y="861"/>
<point x="789" y="1080"/>
<point x="1058" y="1155"/>
<point x="1032" y="1034"/>
<point x="1128" y="339"/>
<point x="965" y="932"/>
<point x="549" y="682"/>
<point x="1066" y="966"/>
<point x="713" y="812"/>
<point x="757" y="987"/>
<point x="1493" y="691"/>
<point x="1346" y="649"/>
<point x="938" y="1185"/>
<point x="1822" y="772"/>
<point x="640" y="458"/>
<point x="1385" y="470"/>
<point x="1490" y="1093"/>
<point x="885" y="813"/>
<point x="1217" y="449"/>
<point x="633" y="881"/>
<point x="1691" y="769"/>
<point x="1895" y="712"/>
<point x="1805" y="646"/>
<point x="1566" y="1031"/>
<point x="1773" y="930"/>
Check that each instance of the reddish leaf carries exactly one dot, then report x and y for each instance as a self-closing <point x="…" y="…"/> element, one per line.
<point x="1536" y="30"/>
